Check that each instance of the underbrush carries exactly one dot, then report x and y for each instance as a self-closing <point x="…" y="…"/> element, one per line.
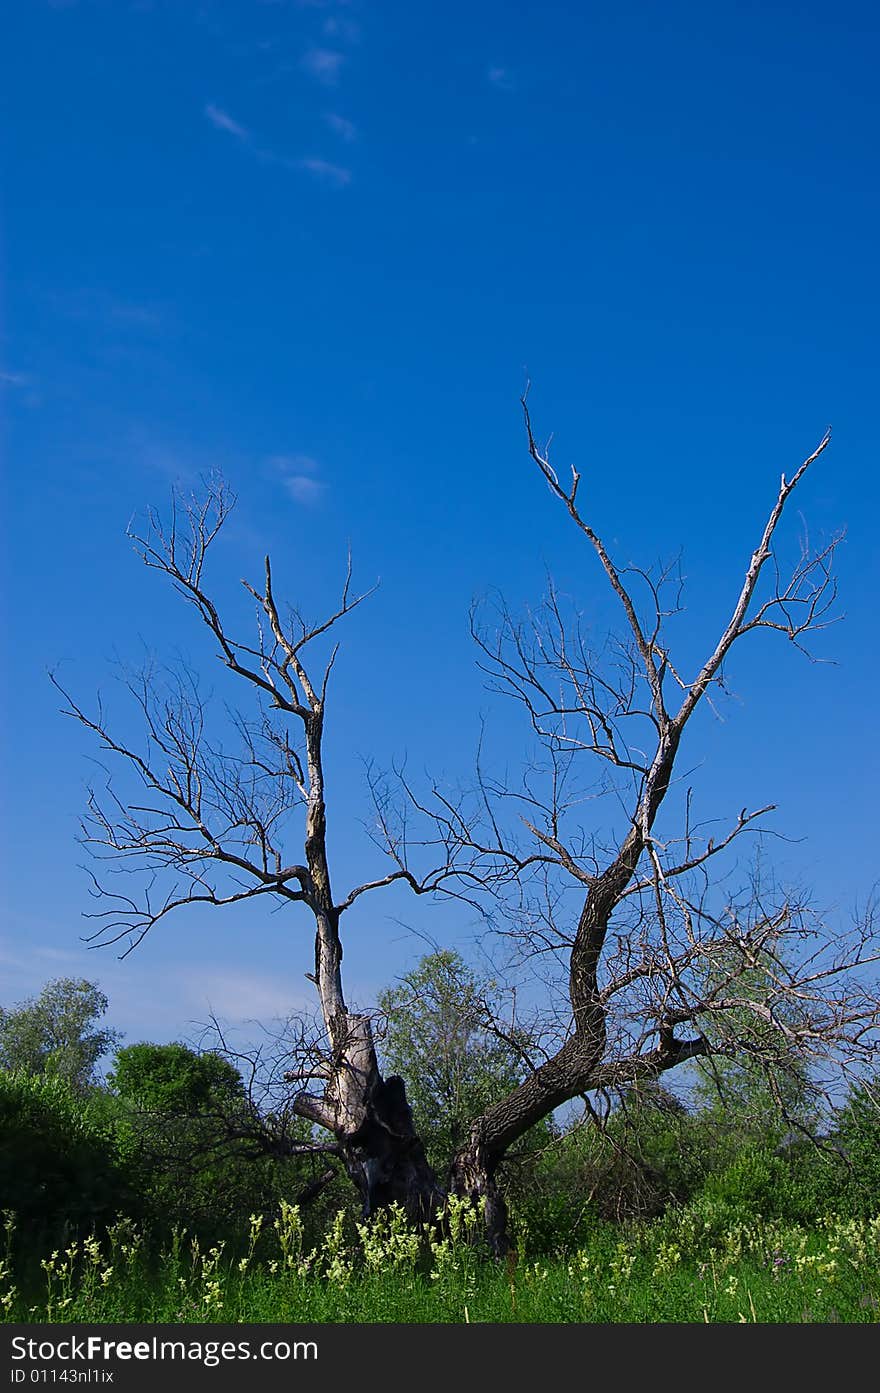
<point x="702" y="1263"/>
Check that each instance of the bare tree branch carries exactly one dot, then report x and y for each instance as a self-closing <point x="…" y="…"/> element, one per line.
<point x="648" y="957"/>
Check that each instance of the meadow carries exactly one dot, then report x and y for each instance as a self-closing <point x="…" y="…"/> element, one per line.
<point x="689" y="1266"/>
<point x="125" y="1202"/>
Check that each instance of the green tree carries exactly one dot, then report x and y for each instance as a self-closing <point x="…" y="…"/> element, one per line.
<point x="175" y="1081"/>
<point x="442" y="1037"/>
<point x="632" y="1162"/>
<point x="205" y="1156"/>
<point x="757" y="1083"/>
<point x="56" y="1033"/>
<point x="857" y="1134"/>
<point x="180" y="1107"/>
<point x="63" y="1159"/>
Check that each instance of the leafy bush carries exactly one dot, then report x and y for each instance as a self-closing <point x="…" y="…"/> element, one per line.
<point x="174" y="1080"/>
<point x="857" y="1134"/>
<point x="757" y="1183"/>
<point x="197" y="1157"/>
<point x="649" y="1154"/>
<point x="64" y="1159"/>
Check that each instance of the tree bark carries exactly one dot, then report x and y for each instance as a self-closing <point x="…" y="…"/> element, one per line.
<point x="369" y="1115"/>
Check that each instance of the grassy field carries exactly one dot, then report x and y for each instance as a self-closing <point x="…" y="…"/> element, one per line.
<point x="686" y="1267"/>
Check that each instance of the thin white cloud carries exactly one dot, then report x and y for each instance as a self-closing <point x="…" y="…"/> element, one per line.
<point x="137" y="316"/>
<point x="298" y="477"/>
<point x="337" y="176"/>
<point x="323" y="64"/>
<point x="334" y="175"/>
<point x="153" y="998"/>
<point x="302" y="489"/>
<point x="300" y="464"/>
<point x="93" y="303"/>
<point x="234" y="996"/>
<point x="224" y="122"/>
<point x="345" y="129"/>
<point x="24" y="387"/>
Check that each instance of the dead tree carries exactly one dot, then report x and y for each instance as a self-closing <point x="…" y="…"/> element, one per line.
<point x="209" y="829"/>
<point x="656" y="968"/>
<point x="651" y="964"/>
<point x="659" y="970"/>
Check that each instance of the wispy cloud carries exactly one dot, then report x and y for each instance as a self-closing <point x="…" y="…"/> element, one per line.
<point x="149" y="1000"/>
<point x="335" y="175"/>
<point x="345" y="129"/>
<point x="323" y="64"/>
<point x="298" y="477"/>
<point x="224" y="122"/>
<point x="241" y="997"/>
<point x="23" y="385"/>
<point x="302" y="489"/>
<point x="135" y="316"/>
<point x="502" y="78"/>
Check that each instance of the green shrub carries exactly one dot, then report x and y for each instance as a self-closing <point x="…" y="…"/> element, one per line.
<point x="857" y="1134"/>
<point x="197" y="1157"/>
<point x="64" y="1161"/>
<point x="772" y="1184"/>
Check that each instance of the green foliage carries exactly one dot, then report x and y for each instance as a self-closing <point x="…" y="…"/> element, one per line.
<point x="857" y="1134"/>
<point x="174" y="1080"/>
<point x="63" y="1162"/>
<point x="56" y="1034"/>
<point x="190" y="1120"/>
<point x="758" y="1182"/>
<point x="652" y="1157"/>
<point x="680" y="1269"/>
<point x="757" y="1080"/>
<point x="171" y="1143"/>
<point x="649" y="1153"/>
<point x="439" y="1039"/>
<point x="180" y="1107"/>
<point x="761" y="1100"/>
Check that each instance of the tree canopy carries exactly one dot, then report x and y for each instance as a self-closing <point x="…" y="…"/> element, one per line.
<point x="57" y="1032"/>
<point x="174" y="1080"/>
<point x="442" y="1035"/>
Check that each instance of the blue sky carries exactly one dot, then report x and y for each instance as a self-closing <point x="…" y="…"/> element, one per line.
<point x="321" y="246"/>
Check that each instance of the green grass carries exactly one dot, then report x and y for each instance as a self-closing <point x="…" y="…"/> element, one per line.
<point x="690" y="1266"/>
